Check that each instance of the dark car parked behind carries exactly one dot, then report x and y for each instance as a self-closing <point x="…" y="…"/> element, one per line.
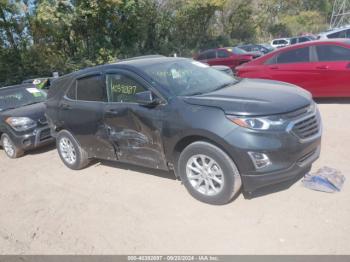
<point x="263" y="48"/>
<point x="176" y="113"/>
<point x="231" y="57"/>
<point x="301" y="39"/>
<point x="23" y="125"/>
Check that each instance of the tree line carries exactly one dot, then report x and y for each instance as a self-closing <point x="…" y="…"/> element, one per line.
<point x="38" y="37"/>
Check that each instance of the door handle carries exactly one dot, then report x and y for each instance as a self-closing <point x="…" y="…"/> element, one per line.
<point x="274" y="67"/>
<point x="324" y="67"/>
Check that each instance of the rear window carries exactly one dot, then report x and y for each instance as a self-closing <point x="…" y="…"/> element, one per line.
<point x="332" y="53"/>
<point x="340" y="34"/>
<point x="211" y="55"/>
<point x="223" y="54"/>
<point x="202" y="56"/>
<point x="293" y="41"/>
<point x="294" y="56"/>
<point x="91" y="88"/>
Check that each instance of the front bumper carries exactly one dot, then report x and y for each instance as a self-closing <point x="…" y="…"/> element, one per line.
<point x="35" y="138"/>
<point x="291" y="157"/>
<point x="293" y="173"/>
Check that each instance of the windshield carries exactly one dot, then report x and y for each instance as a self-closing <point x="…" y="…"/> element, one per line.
<point x="17" y="97"/>
<point x="187" y="77"/>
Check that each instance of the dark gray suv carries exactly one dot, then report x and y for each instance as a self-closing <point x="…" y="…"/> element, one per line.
<point x="215" y="132"/>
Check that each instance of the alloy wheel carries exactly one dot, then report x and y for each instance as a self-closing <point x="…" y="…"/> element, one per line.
<point x="205" y="175"/>
<point x="8" y="147"/>
<point x="67" y="150"/>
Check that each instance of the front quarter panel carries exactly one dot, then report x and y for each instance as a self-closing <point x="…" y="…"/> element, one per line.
<point x="182" y="120"/>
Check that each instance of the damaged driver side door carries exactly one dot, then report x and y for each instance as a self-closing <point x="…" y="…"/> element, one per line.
<point x="133" y="129"/>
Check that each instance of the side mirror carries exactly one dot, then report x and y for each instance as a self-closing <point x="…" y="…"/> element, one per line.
<point x="146" y="99"/>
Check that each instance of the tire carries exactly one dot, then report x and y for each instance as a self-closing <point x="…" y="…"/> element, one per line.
<point x="218" y="167"/>
<point x="70" y="152"/>
<point x="11" y="150"/>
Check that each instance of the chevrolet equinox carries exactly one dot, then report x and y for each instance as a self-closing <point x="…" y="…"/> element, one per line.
<point x="215" y="132"/>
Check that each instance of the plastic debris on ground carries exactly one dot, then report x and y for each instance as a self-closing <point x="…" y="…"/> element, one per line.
<point x="326" y="179"/>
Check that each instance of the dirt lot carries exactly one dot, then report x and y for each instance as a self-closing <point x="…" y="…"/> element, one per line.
<point x="46" y="208"/>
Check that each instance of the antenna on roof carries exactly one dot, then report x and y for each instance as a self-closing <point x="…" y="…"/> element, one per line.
<point x="340" y="14"/>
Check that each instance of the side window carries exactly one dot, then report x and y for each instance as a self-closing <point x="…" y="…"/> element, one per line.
<point x="211" y="55"/>
<point x="332" y="53"/>
<point x="271" y="61"/>
<point x="341" y="34"/>
<point x="293" y="41"/>
<point x="223" y="54"/>
<point x="122" y="88"/>
<point x="303" y="39"/>
<point x="294" y="56"/>
<point x="91" y="88"/>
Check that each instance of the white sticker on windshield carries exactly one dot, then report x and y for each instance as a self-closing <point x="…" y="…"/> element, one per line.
<point x="200" y="64"/>
<point x="33" y="90"/>
<point x="175" y="74"/>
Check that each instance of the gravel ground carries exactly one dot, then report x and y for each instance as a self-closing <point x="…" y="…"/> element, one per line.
<point x="111" y="208"/>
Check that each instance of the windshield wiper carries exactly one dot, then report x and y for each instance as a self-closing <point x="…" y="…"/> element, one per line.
<point x="32" y="103"/>
<point x="196" y="94"/>
<point x="5" y="109"/>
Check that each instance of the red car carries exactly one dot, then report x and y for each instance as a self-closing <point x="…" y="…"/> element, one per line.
<point x="231" y="57"/>
<point x="321" y="67"/>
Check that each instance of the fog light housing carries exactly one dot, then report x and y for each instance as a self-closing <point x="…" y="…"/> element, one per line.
<point x="260" y="160"/>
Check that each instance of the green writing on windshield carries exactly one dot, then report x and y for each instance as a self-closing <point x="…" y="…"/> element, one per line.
<point x="124" y="89"/>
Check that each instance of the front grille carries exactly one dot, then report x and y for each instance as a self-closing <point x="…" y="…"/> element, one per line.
<point x="306" y="128"/>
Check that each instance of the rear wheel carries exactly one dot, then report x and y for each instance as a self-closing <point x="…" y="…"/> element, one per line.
<point x="10" y="148"/>
<point x="208" y="173"/>
<point x="70" y="152"/>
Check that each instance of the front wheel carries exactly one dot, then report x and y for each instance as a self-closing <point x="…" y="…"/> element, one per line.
<point x="71" y="153"/>
<point x="208" y="173"/>
<point x="10" y="148"/>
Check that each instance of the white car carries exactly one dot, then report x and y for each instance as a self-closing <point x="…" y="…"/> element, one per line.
<point x="343" y="32"/>
<point x="280" y="42"/>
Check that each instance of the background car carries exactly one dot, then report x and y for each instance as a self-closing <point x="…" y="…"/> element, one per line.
<point x="343" y="32"/>
<point x="321" y="67"/>
<point x="301" y="39"/>
<point x="263" y="48"/>
<point x="280" y="42"/>
<point x="231" y="57"/>
<point x="23" y="125"/>
<point x="41" y="83"/>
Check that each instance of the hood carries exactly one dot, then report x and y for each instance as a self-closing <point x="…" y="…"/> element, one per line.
<point x="255" y="97"/>
<point x="36" y="112"/>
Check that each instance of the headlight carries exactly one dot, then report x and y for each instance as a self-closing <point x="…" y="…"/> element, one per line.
<point x="20" y="123"/>
<point x="258" y="123"/>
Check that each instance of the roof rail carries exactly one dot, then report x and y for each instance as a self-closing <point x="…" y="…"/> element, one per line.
<point x="140" y="57"/>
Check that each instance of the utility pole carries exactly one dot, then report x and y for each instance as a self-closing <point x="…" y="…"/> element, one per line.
<point x="340" y="14"/>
